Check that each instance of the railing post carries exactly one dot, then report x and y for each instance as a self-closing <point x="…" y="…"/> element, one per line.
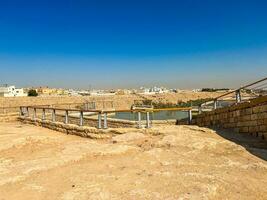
<point x="147" y="120"/>
<point x="215" y="104"/>
<point x="139" y="120"/>
<point x="99" y="120"/>
<point x="27" y="111"/>
<point x="53" y="115"/>
<point x="189" y="116"/>
<point x="199" y="109"/>
<point x="34" y="114"/>
<point x="105" y="121"/>
<point x="81" y="118"/>
<point x="43" y="115"/>
<point x="21" y="111"/>
<point x="238" y="96"/>
<point x="66" y="117"/>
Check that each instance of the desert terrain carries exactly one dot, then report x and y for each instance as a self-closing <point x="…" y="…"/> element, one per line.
<point x="119" y="101"/>
<point x="170" y="162"/>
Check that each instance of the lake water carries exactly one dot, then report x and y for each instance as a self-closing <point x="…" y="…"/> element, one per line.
<point x="161" y="115"/>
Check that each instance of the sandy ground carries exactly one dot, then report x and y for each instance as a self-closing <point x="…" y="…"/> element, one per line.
<point x="171" y="162"/>
<point x="102" y="102"/>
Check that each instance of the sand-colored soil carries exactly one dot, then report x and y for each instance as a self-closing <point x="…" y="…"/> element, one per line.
<point x="171" y="162"/>
<point x="115" y="101"/>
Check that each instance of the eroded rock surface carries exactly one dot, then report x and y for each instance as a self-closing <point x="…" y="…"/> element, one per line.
<point x="131" y="136"/>
<point x="171" y="162"/>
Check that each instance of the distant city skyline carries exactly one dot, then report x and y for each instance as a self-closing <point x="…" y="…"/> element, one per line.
<point x="129" y="44"/>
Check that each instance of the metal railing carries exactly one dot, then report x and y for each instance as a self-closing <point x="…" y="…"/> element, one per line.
<point x="32" y="111"/>
<point x="242" y="94"/>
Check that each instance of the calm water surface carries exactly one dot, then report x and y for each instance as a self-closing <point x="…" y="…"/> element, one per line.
<point x="162" y="115"/>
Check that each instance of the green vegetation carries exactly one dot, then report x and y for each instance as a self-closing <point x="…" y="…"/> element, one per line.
<point x="164" y="105"/>
<point x="214" y="89"/>
<point x="190" y="103"/>
<point x="32" y="93"/>
<point x="196" y="102"/>
<point x="248" y="91"/>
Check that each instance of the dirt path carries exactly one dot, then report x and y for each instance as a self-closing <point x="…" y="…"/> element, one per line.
<point x="172" y="163"/>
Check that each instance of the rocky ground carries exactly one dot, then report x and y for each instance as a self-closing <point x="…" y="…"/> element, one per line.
<point x="171" y="162"/>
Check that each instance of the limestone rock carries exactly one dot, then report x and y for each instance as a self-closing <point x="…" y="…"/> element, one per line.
<point x="128" y="137"/>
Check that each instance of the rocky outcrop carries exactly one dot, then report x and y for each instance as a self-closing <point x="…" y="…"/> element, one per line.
<point x="83" y="131"/>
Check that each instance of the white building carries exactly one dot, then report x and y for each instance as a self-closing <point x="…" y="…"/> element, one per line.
<point x="72" y="92"/>
<point x="196" y="90"/>
<point x="153" y="90"/>
<point x="11" y="91"/>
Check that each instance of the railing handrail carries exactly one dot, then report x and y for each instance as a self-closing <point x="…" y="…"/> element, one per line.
<point x="237" y="92"/>
<point x="61" y="109"/>
<point x="241" y="88"/>
<point x="149" y="110"/>
<point x="112" y="111"/>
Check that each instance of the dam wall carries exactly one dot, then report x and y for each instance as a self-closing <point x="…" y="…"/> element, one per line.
<point x="246" y="118"/>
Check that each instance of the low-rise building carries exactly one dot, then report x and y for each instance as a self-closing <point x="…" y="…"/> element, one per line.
<point x="153" y="90"/>
<point x="196" y="90"/>
<point x="123" y="92"/>
<point x="72" y="92"/>
<point x="11" y="91"/>
<point x="46" y="91"/>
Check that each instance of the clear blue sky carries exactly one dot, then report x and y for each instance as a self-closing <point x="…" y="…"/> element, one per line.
<point x="130" y="43"/>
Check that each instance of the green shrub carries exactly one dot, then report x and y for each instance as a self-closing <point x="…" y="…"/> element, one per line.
<point x="214" y="89"/>
<point x="32" y="93"/>
<point x="179" y="104"/>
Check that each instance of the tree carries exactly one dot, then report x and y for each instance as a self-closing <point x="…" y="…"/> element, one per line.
<point x="32" y="93"/>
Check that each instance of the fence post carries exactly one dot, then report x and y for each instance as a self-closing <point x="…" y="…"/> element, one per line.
<point x="238" y="96"/>
<point x="105" y="121"/>
<point x="34" y="114"/>
<point x="199" y="109"/>
<point x="53" y="115"/>
<point x="43" y="115"/>
<point x="21" y="111"/>
<point x="139" y="120"/>
<point x="66" y="117"/>
<point x="147" y="120"/>
<point x="99" y="120"/>
<point x="215" y="104"/>
<point x="189" y="116"/>
<point x="81" y="118"/>
<point x="27" y="111"/>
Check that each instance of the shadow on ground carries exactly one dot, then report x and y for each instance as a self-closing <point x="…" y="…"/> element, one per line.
<point x="255" y="145"/>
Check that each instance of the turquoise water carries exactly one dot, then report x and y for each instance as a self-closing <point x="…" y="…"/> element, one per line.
<point x="162" y="115"/>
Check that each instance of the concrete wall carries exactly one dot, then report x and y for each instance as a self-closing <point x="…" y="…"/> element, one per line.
<point x="247" y="118"/>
